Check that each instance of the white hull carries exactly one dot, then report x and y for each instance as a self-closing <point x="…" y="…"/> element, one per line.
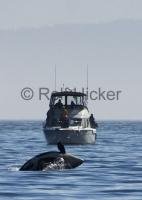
<point x="70" y="136"/>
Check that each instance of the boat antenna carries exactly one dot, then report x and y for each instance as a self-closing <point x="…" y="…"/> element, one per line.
<point x="87" y="81"/>
<point x="55" y="78"/>
<point x="87" y="78"/>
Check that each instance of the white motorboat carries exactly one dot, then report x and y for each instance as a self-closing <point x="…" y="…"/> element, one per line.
<point x="68" y="120"/>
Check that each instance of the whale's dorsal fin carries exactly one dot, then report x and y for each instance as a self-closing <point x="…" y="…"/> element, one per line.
<point x="61" y="148"/>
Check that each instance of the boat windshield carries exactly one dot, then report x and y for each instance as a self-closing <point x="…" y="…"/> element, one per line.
<point x="68" y="101"/>
<point x="58" y="101"/>
<point x="75" y="100"/>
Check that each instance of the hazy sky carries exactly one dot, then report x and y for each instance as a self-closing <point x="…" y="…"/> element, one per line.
<point x="112" y="50"/>
<point x="27" y="13"/>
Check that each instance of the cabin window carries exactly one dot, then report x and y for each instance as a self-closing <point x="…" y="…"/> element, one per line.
<point x="55" y="100"/>
<point x="75" y="100"/>
<point x="71" y="100"/>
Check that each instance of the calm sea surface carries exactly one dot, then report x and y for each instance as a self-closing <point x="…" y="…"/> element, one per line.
<point x="112" y="167"/>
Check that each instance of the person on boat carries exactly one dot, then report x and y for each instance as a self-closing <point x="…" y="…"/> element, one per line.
<point x="93" y="122"/>
<point x="50" y="113"/>
<point x="72" y="104"/>
<point x="64" y="118"/>
<point x="59" y="104"/>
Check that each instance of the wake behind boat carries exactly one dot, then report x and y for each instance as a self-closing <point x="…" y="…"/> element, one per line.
<point x="68" y="120"/>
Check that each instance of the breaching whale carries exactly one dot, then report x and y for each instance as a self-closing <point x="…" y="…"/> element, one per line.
<point x="52" y="160"/>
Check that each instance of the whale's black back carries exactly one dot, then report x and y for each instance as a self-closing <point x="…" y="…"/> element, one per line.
<point x="42" y="161"/>
<point x="38" y="162"/>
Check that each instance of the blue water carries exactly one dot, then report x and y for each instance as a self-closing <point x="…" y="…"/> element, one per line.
<point x="112" y="167"/>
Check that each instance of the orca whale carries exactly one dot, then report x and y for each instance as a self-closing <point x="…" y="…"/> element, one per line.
<point x="52" y="160"/>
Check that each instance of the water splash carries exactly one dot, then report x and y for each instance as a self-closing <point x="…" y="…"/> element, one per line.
<point x="58" y="164"/>
<point x="13" y="168"/>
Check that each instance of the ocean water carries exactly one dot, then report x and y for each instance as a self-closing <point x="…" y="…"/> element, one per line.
<point x="112" y="169"/>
